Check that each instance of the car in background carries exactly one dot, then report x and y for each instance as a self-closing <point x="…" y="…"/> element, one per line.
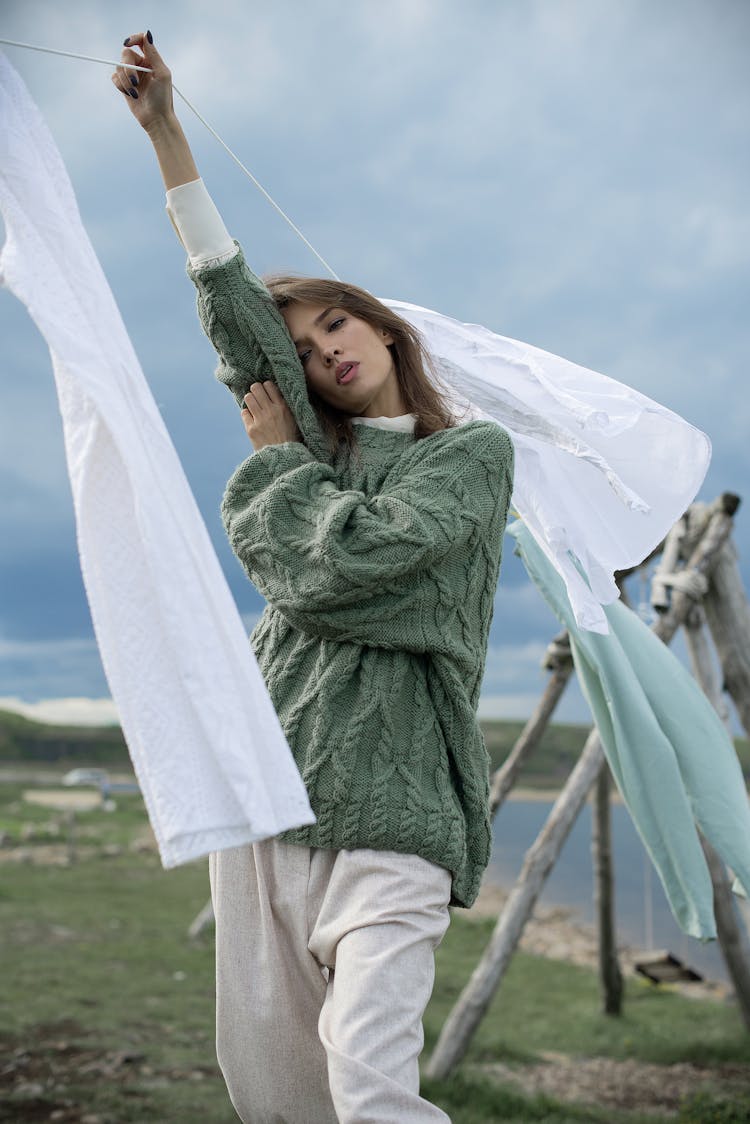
<point x="98" y="778"/>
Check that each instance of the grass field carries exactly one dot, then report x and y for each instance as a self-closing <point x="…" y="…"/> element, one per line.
<point x="107" y="1005"/>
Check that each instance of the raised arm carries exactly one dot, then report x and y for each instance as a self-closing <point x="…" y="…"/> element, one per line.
<point x="265" y="414"/>
<point x="151" y="102"/>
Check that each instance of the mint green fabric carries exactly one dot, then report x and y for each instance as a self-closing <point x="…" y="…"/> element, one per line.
<point x="379" y="574"/>
<point x="669" y="752"/>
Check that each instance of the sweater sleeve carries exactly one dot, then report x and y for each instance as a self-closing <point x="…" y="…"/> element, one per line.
<point x="374" y="569"/>
<point x="246" y="329"/>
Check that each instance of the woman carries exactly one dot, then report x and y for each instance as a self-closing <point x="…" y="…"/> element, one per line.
<point x="372" y="523"/>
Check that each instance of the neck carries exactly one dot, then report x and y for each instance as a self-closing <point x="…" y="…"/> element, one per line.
<point x="388" y="403"/>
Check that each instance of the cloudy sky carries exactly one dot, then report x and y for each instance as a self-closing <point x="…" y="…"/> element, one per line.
<point x="568" y="172"/>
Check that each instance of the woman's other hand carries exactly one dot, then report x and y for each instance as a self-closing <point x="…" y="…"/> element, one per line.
<point x="149" y="95"/>
<point x="266" y="416"/>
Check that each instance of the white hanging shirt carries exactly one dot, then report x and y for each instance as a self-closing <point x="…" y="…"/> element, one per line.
<point x="207" y="747"/>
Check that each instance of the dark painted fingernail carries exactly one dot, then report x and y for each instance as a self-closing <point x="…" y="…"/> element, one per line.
<point x="133" y="94"/>
<point x="133" y="80"/>
<point x="149" y="36"/>
<point x="126" y="42"/>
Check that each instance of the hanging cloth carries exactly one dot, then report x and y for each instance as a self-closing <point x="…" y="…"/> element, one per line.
<point x="602" y="472"/>
<point x="669" y="751"/>
<point x="207" y="747"/>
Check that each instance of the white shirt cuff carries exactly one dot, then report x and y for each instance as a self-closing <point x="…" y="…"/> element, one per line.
<point x="198" y="224"/>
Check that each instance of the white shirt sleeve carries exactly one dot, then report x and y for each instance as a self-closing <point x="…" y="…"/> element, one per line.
<point x="198" y="224"/>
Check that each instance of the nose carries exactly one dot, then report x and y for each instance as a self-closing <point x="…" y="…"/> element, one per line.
<point x="330" y="351"/>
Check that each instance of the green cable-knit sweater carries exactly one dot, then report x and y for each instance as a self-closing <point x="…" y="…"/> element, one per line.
<point x="379" y="574"/>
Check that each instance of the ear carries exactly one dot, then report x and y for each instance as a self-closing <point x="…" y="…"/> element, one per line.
<point x="387" y="337"/>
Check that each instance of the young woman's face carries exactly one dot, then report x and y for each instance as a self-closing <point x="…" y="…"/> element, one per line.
<point x="345" y="360"/>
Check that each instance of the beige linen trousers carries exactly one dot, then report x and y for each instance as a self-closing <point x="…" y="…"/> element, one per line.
<point x="324" y="966"/>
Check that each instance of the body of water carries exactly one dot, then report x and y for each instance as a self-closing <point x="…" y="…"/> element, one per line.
<point x="643" y="918"/>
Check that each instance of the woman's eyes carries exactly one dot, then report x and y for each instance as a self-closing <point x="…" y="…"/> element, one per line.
<point x="330" y="327"/>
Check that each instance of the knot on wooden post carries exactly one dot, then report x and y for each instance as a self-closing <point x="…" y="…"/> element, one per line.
<point x="558" y="653"/>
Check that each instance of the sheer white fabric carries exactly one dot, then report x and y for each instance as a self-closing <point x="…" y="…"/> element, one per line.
<point x="602" y="471"/>
<point x="206" y="744"/>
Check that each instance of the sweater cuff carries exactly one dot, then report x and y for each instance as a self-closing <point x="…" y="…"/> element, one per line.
<point x="198" y="224"/>
<point x="265" y="465"/>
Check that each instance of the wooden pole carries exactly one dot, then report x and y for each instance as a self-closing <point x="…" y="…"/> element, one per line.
<point x="610" y="975"/>
<point x="202" y="920"/>
<point x="540" y="858"/>
<point x="731" y="931"/>
<point x="728" y="616"/>
<point x="703" y="557"/>
<point x="668" y="563"/>
<point x="70" y="824"/>
<point x="703" y="665"/>
<point x="505" y="777"/>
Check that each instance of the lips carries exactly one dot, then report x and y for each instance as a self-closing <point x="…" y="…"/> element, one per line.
<point x="345" y="372"/>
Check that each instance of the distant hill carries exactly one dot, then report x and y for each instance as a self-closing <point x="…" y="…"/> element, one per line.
<point x="551" y="762"/>
<point x="25" y="741"/>
<point x="22" y="740"/>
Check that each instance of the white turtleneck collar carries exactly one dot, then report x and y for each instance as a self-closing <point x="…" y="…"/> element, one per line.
<point x="404" y="422"/>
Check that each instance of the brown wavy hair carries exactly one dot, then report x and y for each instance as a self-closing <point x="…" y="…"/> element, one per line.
<point x="424" y="396"/>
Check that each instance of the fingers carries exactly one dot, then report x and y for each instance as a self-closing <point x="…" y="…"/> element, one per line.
<point x="128" y="81"/>
<point x="266" y="417"/>
<point x="259" y="405"/>
<point x="261" y="395"/>
<point x="144" y="40"/>
<point x="139" y="51"/>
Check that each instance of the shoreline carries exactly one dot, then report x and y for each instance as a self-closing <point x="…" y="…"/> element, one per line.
<point x="556" y="933"/>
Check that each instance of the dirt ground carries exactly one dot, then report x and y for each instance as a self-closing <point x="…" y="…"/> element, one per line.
<point x="625" y="1085"/>
<point x="64" y="799"/>
<point x="46" y="1079"/>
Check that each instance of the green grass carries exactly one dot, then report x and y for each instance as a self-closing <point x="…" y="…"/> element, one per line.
<point x="113" y="1004"/>
<point x="23" y="823"/>
<point x="472" y="1100"/>
<point x="545" y="1003"/>
<point x="103" y="946"/>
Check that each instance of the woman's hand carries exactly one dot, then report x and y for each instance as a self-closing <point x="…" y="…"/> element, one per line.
<point x="150" y="99"/>
<point x="266" y="416"/>
<point x="149" y="96"/>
